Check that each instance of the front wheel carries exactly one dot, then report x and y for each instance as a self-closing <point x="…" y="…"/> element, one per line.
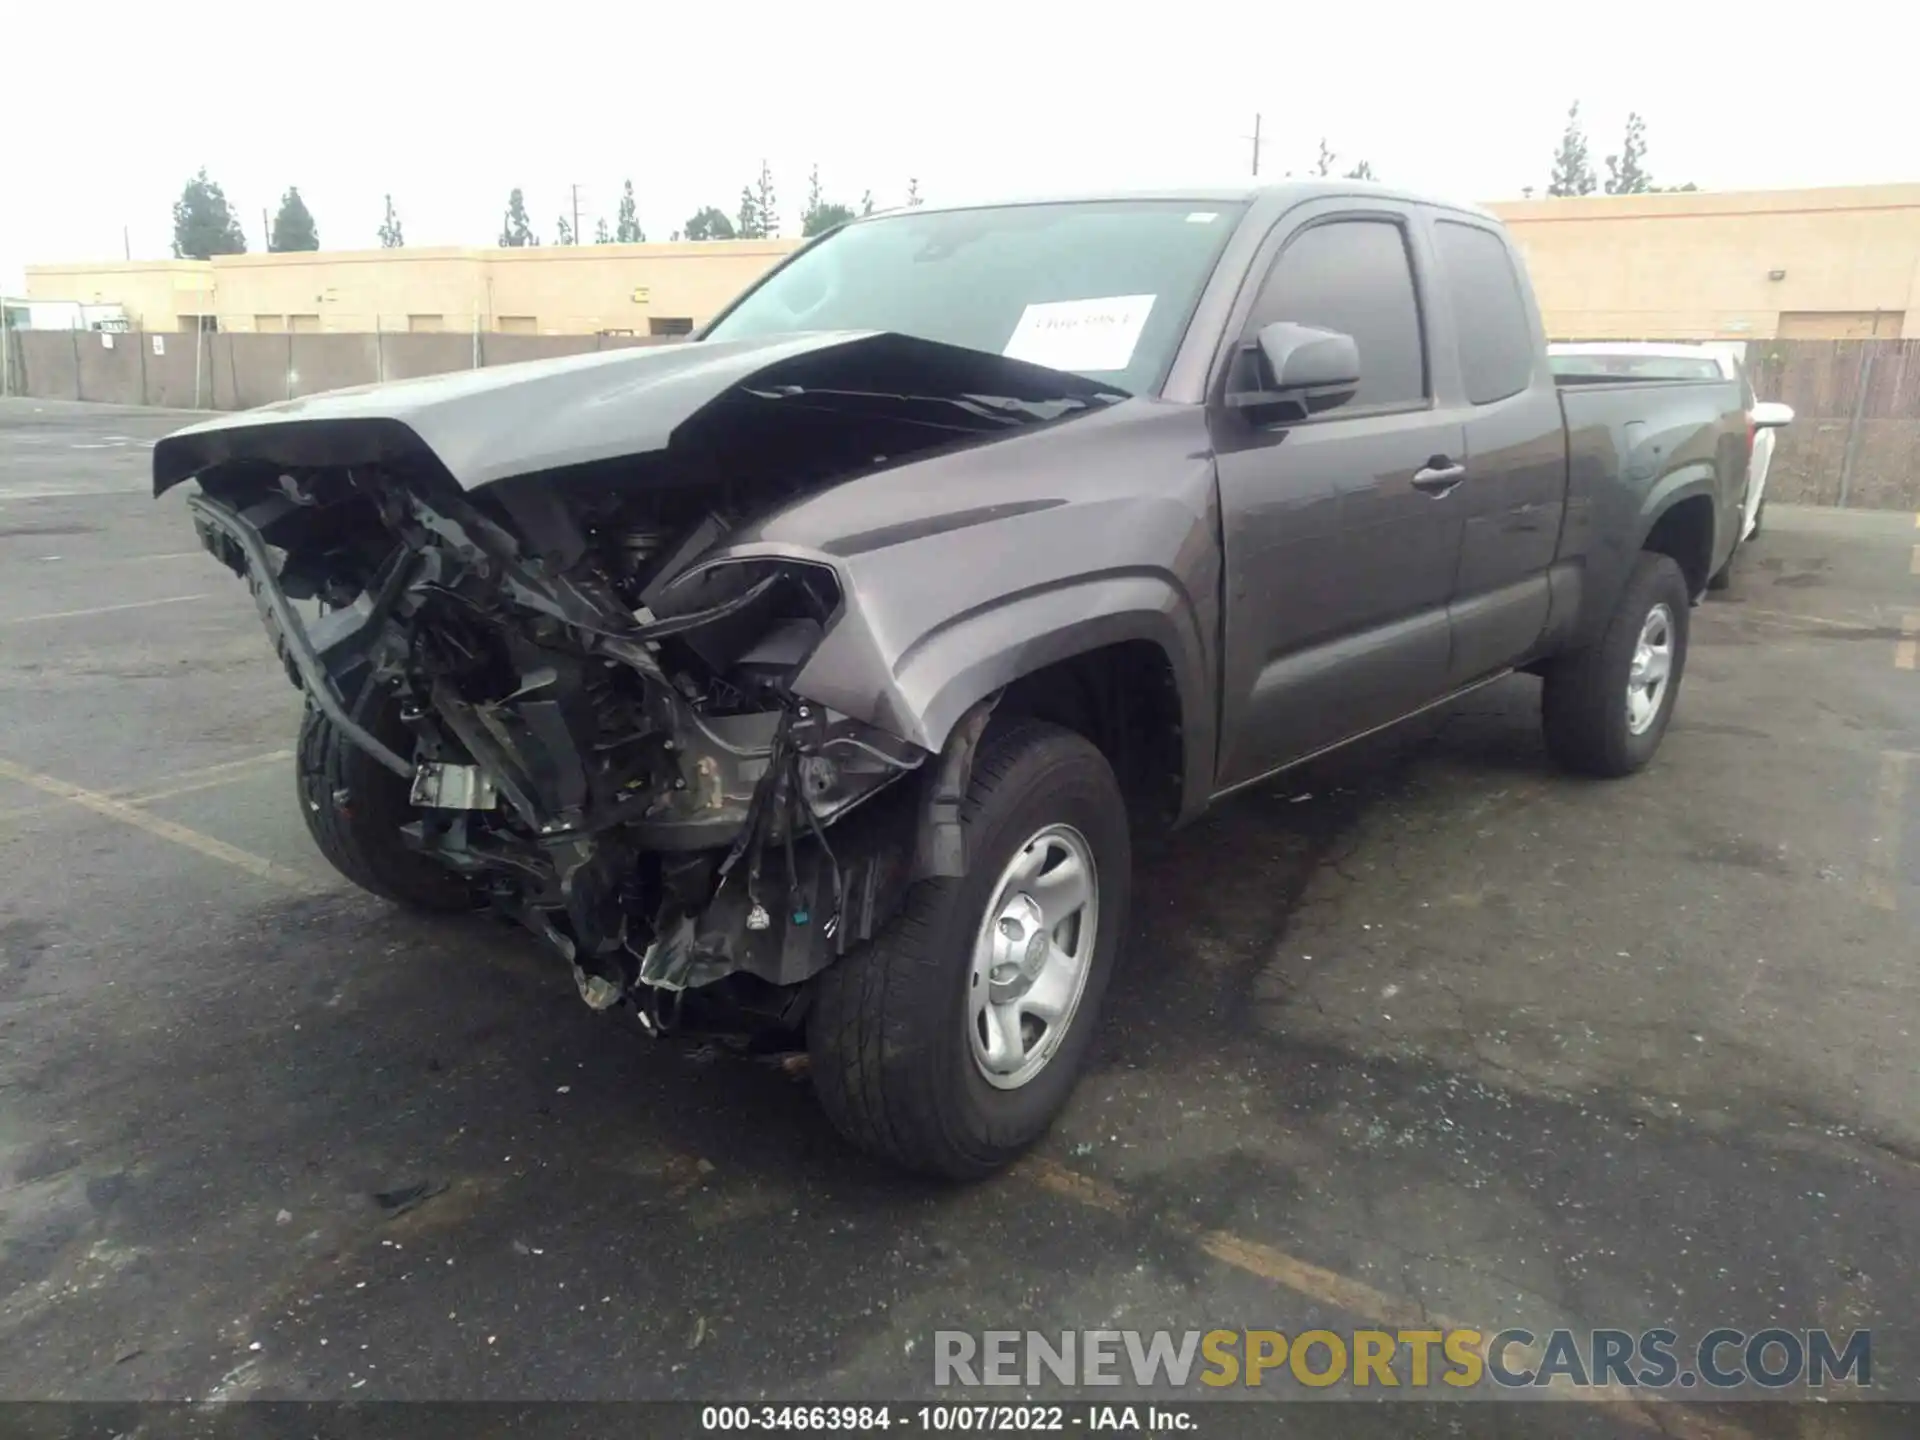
<point x="951" y="1041"/>
<point x="1606" y="707"/>
<point x="355" y="807"/>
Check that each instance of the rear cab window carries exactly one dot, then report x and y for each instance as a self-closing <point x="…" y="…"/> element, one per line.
<point x="1495" y="340"/>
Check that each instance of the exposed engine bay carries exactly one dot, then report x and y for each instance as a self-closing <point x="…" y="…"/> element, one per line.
<point x="597" y="725"/>
<point x="606" y="747"/>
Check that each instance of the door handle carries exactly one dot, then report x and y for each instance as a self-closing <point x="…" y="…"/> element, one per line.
<point x="1439" y="476"/>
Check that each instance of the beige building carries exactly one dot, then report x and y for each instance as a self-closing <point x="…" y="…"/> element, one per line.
<point x="1752" y="265"/>
<point x="547" y="290"/>
<point x="1791" y="264"/>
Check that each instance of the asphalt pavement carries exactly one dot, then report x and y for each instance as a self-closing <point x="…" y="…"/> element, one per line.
<point x="1429" y="1031"/>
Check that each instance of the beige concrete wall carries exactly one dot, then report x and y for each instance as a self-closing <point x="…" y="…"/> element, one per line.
<point x="549" y="290"/>
<point x="351" y="291"/>
<point x="1700" y="266"/>
<point x="1681" y="266"/>
<point x="155" y="293"/>
<point x="585" y="289"/>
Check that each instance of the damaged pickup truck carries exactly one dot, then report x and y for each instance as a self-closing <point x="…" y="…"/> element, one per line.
<point x="816" y="675"/>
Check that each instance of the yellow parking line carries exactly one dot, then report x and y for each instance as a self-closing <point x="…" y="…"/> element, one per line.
<point x="1794" y="617"/>
<point x="139" y="819"/>
<point x="1907" y="652"/>
<point x="183" y="782"/>
<point x="1300" y="1276"/>
<point x="205" y="778"/>
<point x="1915" y="567"/>
<point x="1882" y="882"/>
<point x="101" y="609"/>
<point x="1328" y="1287"/>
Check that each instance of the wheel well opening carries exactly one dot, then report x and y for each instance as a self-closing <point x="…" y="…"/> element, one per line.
<point x="1123" y="698"/>
<point x="1685" y="535"/>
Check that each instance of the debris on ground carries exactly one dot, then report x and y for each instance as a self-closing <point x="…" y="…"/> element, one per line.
<point x="405" y="1197"/>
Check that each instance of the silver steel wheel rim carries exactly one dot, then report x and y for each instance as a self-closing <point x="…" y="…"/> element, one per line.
<point x="1032" y="955"/>
<point x="1652" y="669"/>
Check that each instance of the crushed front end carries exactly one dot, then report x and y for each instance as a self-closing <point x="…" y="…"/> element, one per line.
<point x="599" y="728"/>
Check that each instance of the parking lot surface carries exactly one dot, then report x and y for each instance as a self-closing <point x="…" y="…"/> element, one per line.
<point x="1430" y="1031"/>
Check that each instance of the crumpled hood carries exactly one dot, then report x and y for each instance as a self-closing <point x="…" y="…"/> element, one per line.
<point x="501" y="421"/>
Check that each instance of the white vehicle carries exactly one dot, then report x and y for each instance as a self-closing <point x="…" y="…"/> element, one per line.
<point x="1674" y="361"/>
<point x="63" y="315"/>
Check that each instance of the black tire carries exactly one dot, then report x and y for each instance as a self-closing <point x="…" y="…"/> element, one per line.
<point x="887" y="1032"/>
<point x="1583" y="702"/>
<point x="354" y="808"/>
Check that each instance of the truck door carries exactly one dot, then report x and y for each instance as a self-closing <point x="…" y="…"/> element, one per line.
<point x="1514" y="495"/>
<point x="1342" y="530"/>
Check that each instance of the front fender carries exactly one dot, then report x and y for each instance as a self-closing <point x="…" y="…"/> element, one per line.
<point x="936" y="678"/>
<point x="968" y="570"/>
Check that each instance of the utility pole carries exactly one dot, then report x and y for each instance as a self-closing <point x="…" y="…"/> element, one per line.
<point x="126" y="243"/>
<point x="576" y="214"/>
<point x="266" y="230"/>
<point x="1256" y="146"/>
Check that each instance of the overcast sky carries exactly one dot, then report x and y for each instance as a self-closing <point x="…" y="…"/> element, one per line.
<point x="111" y="106"/>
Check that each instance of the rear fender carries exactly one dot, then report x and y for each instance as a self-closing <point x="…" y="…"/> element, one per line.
<point x="1694" y="481"/>
<point x="1681" y="484"/>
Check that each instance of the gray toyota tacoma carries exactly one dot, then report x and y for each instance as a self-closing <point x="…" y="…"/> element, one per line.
<point x="815" y="678"/>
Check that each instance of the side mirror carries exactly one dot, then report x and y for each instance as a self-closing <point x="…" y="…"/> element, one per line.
<point x="1302" y="366"/>
<point x="1771" y="415"/>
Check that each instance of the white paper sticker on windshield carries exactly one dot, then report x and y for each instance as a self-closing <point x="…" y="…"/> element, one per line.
<point x="1081" y="334"/>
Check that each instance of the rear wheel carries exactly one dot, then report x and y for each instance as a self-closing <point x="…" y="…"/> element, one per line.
<point x="1606" y="707"/>
<point x="951" y="1041"/>
<point x="354" y="808"/>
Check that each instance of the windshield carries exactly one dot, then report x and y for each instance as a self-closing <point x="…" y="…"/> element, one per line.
<point x="1103" y="289"/>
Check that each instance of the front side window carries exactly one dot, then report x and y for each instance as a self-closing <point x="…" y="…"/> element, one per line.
<point x="1103" y="289"/>
<point x="1353" y="276"/>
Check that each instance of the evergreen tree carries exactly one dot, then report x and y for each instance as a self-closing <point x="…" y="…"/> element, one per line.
<point x="709" y="223"/>
<point x="1627" y="172"/>
<point x="203" y="222"/>
<point x="1362" y="171"/>
<point x="516" y="232"/>
<point x="600" y="234"/>
<point x="821" y="214"/>
<point x="390" y="236"/>
<point x="626" y="227"/>
<point x="293" y="227"/>
<point x="913" y="192"/>
<point x="563" y="232"/>
<point x="1324" y="164"/>
<point x="1572" y="173"/>
<point x="766" y="209"/>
